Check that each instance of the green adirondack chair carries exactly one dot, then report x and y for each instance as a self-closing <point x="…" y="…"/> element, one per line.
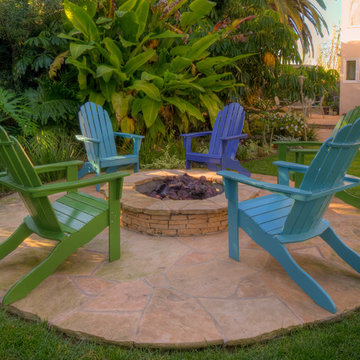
<point x="300" y="148"/>
<point x="73" y="220"/>
<point x="293" y="215"/>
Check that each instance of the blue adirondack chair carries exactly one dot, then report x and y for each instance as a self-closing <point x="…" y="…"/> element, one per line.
<point x="224" y="141"/>
<point x="293" y="215"/>
<point x="98" y="137"/>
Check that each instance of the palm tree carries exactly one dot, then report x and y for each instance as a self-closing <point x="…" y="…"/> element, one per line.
<point x="300" y="14"/>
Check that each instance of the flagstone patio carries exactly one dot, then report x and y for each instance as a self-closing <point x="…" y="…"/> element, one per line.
<point x="179" y="291"/>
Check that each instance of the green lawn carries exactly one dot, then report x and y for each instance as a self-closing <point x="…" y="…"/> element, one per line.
<point x="265" y="166"/>
<point x="28" y="340"/>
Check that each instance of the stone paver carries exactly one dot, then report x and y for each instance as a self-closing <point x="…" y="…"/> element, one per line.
<point x="179" y="291"/>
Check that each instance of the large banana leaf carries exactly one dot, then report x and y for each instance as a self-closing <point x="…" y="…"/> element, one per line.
<point x="142" y="12"/>
<point x="121" y="103"/>
<point x="80" y="66"/>
<point x="136" y="62"/>
<point x="90" y="6"/>
<point x="127" y="5"/>
<point x="166" y="35"/>
<point x="157" y="80"/>
<point x="185" y="106"/>
<point x="76" y="50"/>
<point x="116" y="57"/>
<point x="106" y="72"/>
<point x="207" y="66"/>
<point x="197" y="49"/>
<point x="150" y="109"/>
<point x="129" y="25"/>
<point x="199" y="8"/>
<point x="213" y="104"/>
<point x="81" y="21"/>
<point x="179" y="64"/>
<point x="178" y="84"/>
<point x="148" y="88"/>
<point x="212" y="81"/>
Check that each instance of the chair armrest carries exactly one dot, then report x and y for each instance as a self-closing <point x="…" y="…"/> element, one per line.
<point x="87" y="139"/>
<point x="291" y="166"/>
<point x="129" y="136"/>
<point x="49" y="189"/>
<point x="57" y="166"/>
<point x="288" y="191"/>
<point x="241" y="136"/>
<point x="352" y="178"/>
<point x="197" y="134"/>
<point x="298" y="143"/>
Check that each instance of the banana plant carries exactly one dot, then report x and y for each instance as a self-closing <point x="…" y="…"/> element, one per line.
<point x="147" y="62"/>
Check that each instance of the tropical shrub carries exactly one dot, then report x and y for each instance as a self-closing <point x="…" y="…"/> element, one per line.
<point x="51" y="146"/>
<point x="15" y="110"/>
<point x="149" y="64"/>
<point x="274" y="43"/>
<point x="28" y="40"/>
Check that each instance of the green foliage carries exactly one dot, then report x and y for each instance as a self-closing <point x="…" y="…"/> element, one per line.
<point x="148" y="66"/>
<point x="15" y="109"/>
<point x="52" y="146"/>
<point x="166" y="160"/>
<point x="264" y="35"/>
<point x="300" y="15"/>
<point x="317" y="82"/>
<point x="53" y="103"/>
<point x="28" y="41"/>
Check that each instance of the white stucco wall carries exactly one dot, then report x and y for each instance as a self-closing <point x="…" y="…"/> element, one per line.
<point x="350" y="50"/>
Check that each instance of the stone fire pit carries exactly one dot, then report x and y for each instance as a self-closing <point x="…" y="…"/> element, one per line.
<point x="153" y="216"/>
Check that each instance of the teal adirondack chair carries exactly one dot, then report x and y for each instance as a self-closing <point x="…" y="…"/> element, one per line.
<point x="98" y="137"/>
<point x="293" y="215"/>
<point x="72" y="220"/>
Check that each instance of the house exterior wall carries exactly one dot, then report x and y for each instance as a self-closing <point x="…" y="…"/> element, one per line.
<point x="350" y="53"/>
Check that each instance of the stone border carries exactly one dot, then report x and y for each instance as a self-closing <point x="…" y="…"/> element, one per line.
<point x="152" y="216"/>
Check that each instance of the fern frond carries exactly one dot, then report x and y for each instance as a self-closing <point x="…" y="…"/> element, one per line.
<point x="13" y="107"/>
<point x="51" y="103"/>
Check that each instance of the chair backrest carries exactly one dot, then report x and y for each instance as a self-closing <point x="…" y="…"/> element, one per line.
<point x="229" y="122"/>
<point x="95" y="123"/>
<point x="348" y="118"/>
<point x="21" y="171"/>
<point x="326" y="172"/>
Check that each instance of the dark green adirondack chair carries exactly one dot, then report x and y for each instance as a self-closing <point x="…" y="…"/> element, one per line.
<point x="301" y="148"/>
<point x="73" y="220"/>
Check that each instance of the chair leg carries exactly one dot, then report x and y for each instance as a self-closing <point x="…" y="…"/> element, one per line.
<point x="136" y="167"/>
<point x="39" y="273"/>
<point x="234" y="165"/>
<point x="346" y="253"/>
<point x="97" y="173"/>
<point x="84" y="170"/>
<point x="213" y="167"/>
<point x="304" y="280"/>
<point x="188" y="164"/>
<point x="12" y="242"/>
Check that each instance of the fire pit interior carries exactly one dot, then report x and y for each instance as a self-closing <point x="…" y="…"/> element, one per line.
<point x="182" y="187"/>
